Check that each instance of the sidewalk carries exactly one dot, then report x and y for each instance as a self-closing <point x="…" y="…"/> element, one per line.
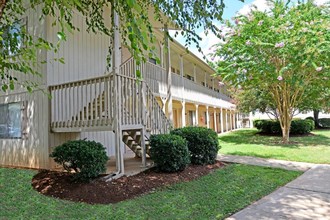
<point x="307" y="197"/>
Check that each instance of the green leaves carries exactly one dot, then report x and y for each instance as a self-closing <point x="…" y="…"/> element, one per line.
<point x="281" y="54"/>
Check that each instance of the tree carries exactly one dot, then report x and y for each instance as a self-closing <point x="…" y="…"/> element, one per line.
<point x="283" y="53"/>
<point x="136" y="29"/>
<point x="253" y="100"/>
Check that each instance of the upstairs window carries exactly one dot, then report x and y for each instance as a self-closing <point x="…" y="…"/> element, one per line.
<point x="13" y="37"/>
<point x="190" y="77"/>
<point x="152" y="60"/>
<point x="11" y="116"/>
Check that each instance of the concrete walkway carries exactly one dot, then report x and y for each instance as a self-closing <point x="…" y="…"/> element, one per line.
<point x="287" y="165"/>
<point x="307" y="197"/>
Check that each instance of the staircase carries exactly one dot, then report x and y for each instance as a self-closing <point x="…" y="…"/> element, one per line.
<point x="94" y="105"/>
<point x="132" y="139"/>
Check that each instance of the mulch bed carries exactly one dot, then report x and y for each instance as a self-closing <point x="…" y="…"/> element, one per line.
<point x="60" y="184"/>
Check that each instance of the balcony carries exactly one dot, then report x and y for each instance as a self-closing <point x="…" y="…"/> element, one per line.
<point x="182" y="88"/>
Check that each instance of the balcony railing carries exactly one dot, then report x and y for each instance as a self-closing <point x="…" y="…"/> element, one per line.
<point x="182" y="88"/>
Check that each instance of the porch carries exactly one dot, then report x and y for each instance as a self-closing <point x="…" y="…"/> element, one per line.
<point x="133" y="165"/>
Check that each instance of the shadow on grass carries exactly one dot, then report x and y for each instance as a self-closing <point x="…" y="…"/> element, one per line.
<point x="253" y="154"/>
<point x="251" y="136"/>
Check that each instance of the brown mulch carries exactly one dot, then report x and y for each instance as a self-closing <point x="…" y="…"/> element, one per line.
<point x="60" y="184"/>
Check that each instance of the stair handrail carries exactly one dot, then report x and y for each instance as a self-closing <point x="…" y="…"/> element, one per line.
<point x="167" y="123"/>
<point x="69" y="100"/>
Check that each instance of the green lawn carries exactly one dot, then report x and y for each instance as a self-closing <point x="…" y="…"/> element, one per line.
<point x="313" y="149"/>
<point x="214" y="196"/>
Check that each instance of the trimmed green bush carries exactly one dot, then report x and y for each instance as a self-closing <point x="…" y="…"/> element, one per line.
<point x="202" y="143"/>
<point x="169" y="152"/>
<point x="310" y="118"/>
<point x="301" y="126"/>
<point x="324" y="122"/>
<point x="298" y="126"/>
<point x="87" y="158"/>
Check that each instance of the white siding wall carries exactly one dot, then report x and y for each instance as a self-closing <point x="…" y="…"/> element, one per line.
<point x="104" y="137"/>
<point x="85" y="57"/>
<point x="84" y="54"/>
<point x="31" y="151"/>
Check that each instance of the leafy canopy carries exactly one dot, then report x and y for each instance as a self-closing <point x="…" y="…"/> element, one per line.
<point x="136" y="18"/>
<point x="282" y="53"/>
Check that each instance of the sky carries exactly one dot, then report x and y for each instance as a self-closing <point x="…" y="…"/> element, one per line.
<point x="232" y="7"/>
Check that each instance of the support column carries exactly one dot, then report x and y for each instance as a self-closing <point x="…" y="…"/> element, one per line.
<point x="169" y="74"/>
<point x="196" y="116"/>
<point x="163" y="104"/>
<point x="182" y="79"/>
<point x="215" y="119"/>
<point x="116" y="61"/>
<point x="221" y="122"/>
<point x="161" y="48"/>
<point x="195" y="75"/>
<point x="226" y="117"/>
<point x="230" y="119"/>
<point x="207" y="117"/>
<point x="250" y="120"/>
<point x="183" y="114"/>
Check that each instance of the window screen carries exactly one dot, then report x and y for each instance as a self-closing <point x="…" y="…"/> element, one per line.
<point x="10" y="120"/>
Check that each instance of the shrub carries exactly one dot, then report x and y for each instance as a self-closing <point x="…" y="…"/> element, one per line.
<point x="264" y="125"/>
<point x="169" y="152"/>
<point x="202" y="143"/>
<point x="298" y="126"/>
<point x="324" y="122"/>
<point x="310" y="118"/>
<point x="87" y="158"/>
<point x="301" y="126"/>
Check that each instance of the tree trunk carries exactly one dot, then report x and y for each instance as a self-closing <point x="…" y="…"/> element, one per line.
<point x="316" y="118"/>
<point x="285" y="134"/>
<point x="2" y="7"/>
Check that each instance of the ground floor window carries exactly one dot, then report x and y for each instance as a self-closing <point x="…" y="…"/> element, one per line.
<point x="192" y="117"/>
<point x="11" y="120"/>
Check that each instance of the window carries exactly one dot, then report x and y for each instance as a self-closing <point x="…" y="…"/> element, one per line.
<point x="172" y="69"/>
<point x="12" y="37"/>
<point x="190" y="77"/>
<point x="11" y="120"/>
<point x="152" y="60"/>
<point x="192" y="117"/>
<point x="205" y="117"/>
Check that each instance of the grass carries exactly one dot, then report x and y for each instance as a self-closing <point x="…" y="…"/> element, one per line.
<point x="313" y="149"/>
<point x="214" y="196"/>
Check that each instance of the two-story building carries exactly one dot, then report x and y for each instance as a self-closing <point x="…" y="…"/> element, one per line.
<point x="112" y="107"/>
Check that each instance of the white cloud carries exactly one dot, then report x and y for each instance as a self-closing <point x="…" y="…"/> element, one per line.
<point x="321" y="2"/>
<point x="206" y="44"/>
<point x="261" y="5"/>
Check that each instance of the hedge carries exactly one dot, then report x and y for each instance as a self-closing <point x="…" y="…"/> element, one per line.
<point x="324" y="122"/>
<point x="298" y="126"/>
<point x="169" y="152"/>
<point x="87" y="158"/>
<point x="202" y="143"/>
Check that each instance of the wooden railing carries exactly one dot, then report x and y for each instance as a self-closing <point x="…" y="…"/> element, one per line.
<point x="139" y="105"/>
<point x="130" y="101"/>
<point x="83" y="103"/>
<point x="156" y="120"/>
<point x="182" y="88"/>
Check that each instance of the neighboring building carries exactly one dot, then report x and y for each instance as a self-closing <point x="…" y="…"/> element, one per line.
<point x="110" y="107"/>
<point x="301" y="115"/>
